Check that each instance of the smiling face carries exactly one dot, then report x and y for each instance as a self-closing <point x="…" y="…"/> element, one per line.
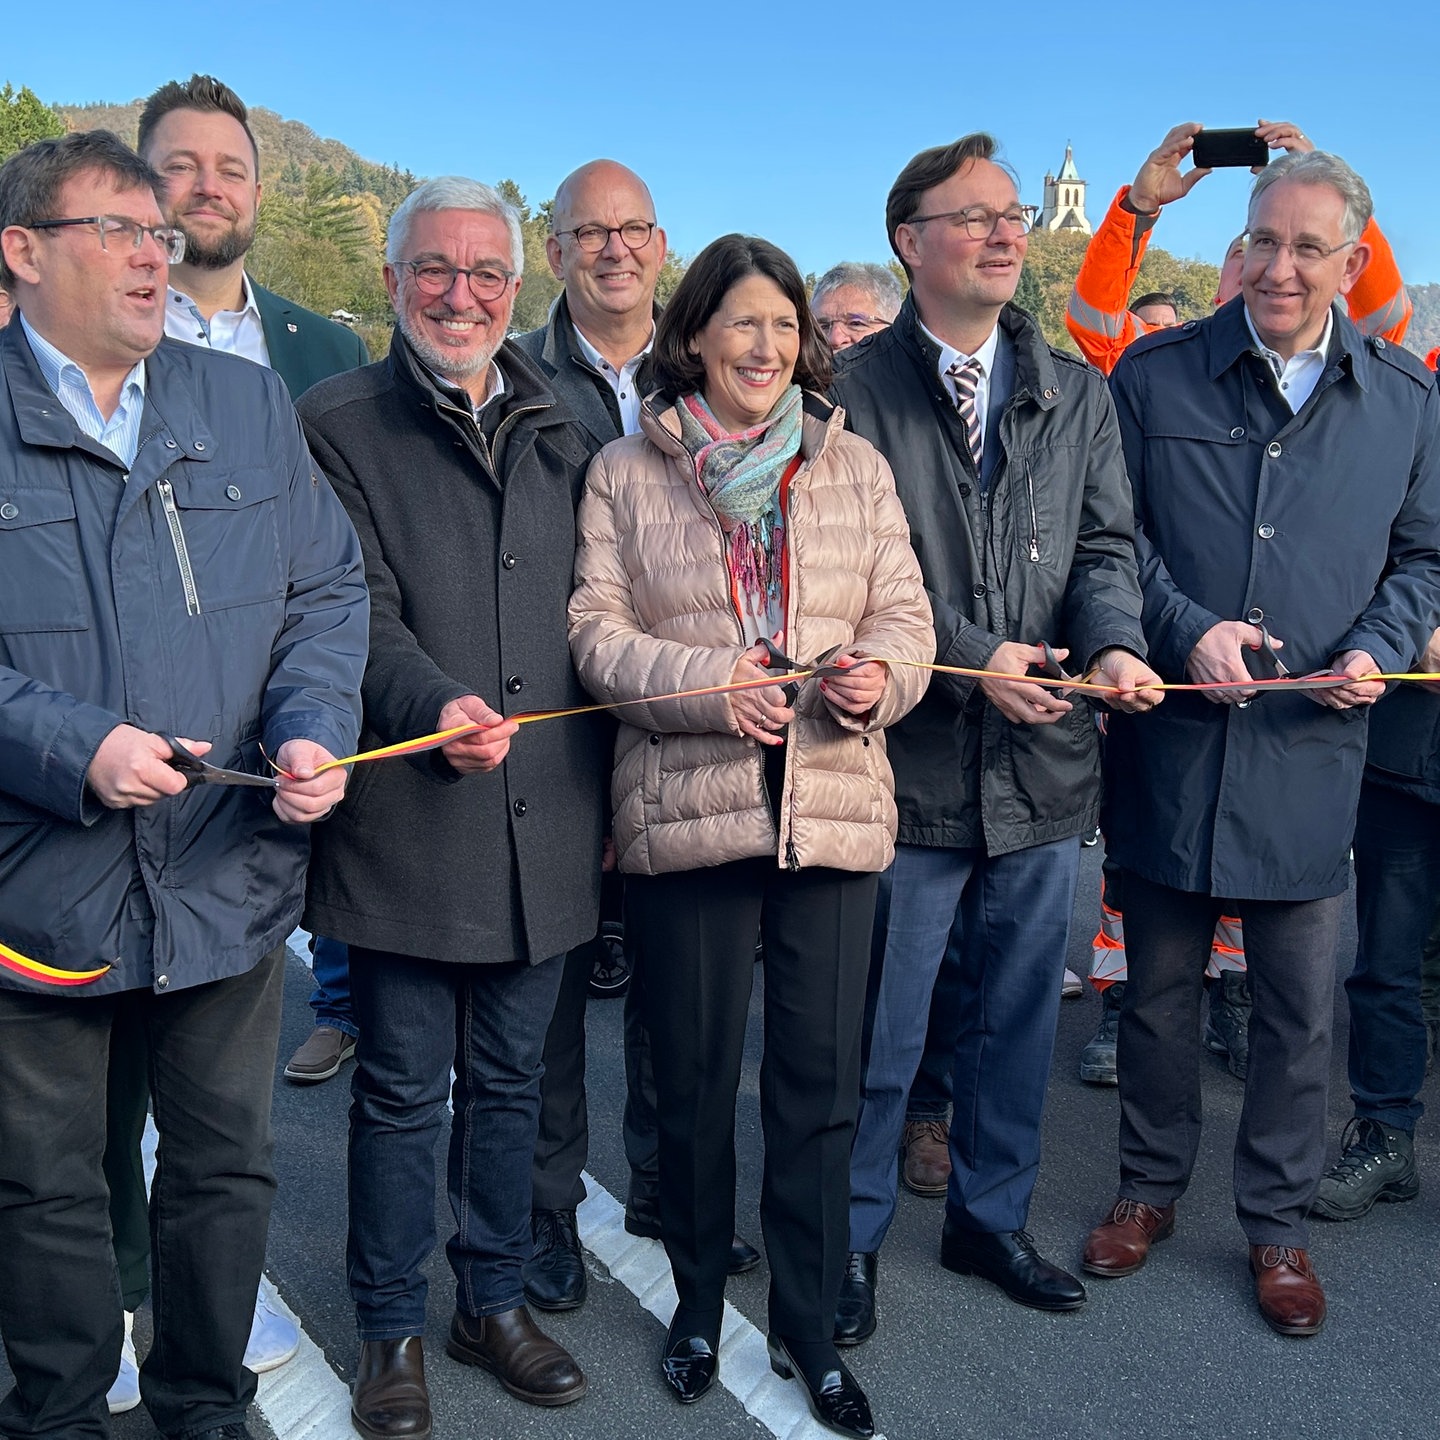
<point x="1289" y="302"/>
<point x="748" y="348"/>
<point x="212" y="192"/>
<point x="454" y="334"/>
<point x="839" y="303"/>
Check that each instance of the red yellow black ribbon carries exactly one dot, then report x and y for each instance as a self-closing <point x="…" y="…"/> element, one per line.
<point x="46" y="974"/>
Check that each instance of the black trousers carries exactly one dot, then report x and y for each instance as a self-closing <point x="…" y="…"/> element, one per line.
<point x="212" y="1067"/>
<point x="1280" y="1144"/>
<point x="695" y="933"/>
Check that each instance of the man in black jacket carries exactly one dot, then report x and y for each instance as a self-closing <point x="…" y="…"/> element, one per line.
<point x="460" y="879"/>
<point x="1007" y="459"/>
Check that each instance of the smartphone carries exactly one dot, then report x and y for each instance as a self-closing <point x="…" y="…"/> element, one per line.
<point x="1219" y="149"/>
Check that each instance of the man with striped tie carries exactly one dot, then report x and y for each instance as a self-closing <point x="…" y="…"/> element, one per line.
<point x="1007" y="459"/>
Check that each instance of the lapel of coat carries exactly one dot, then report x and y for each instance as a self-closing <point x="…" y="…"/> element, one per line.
<point x="283" y="340"/>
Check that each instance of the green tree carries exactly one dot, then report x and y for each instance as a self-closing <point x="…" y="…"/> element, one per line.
<point x="25" y="118"/>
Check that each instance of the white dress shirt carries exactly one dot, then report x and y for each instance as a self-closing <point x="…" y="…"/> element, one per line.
<point x="985" y="355"/>
<point x="621" y="381"/>
<point x="1300" y="374"/>
<point x="236" y="332"/>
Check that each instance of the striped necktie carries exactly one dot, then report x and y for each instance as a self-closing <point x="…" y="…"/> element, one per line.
<point x="966" y="375"/>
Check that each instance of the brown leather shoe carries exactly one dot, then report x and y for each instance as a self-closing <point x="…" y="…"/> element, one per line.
<point x="1119" y="1244"/>
<point x="390" y="1400"/>
<point x="925" y="1144"/>
<point x="1288" y="1290"/>
<point x="513" y="1348"/>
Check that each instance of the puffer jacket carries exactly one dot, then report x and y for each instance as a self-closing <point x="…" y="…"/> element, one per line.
<point x="652" y="613"/>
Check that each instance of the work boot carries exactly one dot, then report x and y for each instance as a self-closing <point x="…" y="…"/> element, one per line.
<point x="1377" y="1162"/>
<point x="1097" y="1059"/>
<point x="1227" y="1027"/>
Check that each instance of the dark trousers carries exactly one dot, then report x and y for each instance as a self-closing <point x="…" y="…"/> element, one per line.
<point x="695" y="933"/>
<point x="127" y="1102"/>
<point x="1280" y="1146"/>
<point x="330" y="999"/>
<point x="1397" y="880"/>
<point x="417" y="1018"/>
<point x="930" y="1093"/>
<point x="212" y="1066"/>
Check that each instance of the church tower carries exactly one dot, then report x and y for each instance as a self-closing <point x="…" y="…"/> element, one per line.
<point x="1065" y="199"/>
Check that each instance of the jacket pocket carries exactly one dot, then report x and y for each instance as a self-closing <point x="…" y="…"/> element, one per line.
<point x="39" y="562"/>
<point x="231" y="531"/>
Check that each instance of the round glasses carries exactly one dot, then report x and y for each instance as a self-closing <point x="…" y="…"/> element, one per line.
<point x="594" y="238"/>
<point x="434" y="277"/>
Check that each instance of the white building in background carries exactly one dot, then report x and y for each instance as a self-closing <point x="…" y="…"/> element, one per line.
<point x="1065" y="199"/>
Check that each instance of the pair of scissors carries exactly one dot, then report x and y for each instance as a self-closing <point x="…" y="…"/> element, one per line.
<point x="818" y="669"/>
<point x="197" y="772"/>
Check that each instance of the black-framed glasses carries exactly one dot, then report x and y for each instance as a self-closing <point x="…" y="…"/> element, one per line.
<point x="434" y="277"/>
<point x="851" y="324"/>
<point x="980" y="222"/>
<point x="121" y="230"/>
<point x="1304" y="252"/>
<point x="594" y="238"/>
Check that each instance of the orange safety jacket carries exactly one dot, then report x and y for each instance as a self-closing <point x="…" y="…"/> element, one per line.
<point x="1102" y="327"/>
<point x="1108" y="965"/>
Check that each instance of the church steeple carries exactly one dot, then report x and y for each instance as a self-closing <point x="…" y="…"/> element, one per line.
<point x="1065" y="198"/>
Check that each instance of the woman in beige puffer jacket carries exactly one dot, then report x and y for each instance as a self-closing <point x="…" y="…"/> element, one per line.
<point x="750" y="813"/>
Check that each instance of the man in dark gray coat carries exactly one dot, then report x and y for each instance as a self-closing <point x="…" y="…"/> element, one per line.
<point x="460" y="878"/>
<point x="171" y="564"/>
<point x="1007" y="460"/>
<point x="1286" y="473"/>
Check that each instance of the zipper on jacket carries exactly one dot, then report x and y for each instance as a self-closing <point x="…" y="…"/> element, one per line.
<point x="792" y="860"/>
<point x="1034" y="521"/>
<point x="177" y="539"/>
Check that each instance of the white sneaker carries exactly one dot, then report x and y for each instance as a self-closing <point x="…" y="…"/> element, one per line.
<point x="1071" y="986"/>
<point x="125" y="1392"/>
<point x="274" y="1337"/>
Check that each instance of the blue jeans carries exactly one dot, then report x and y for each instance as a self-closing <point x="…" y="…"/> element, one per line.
<point x="1014" y="913"/>
<point x="331" y="999"/>
<point x="417" y="1018"/>
<point x="1397" y="877"/>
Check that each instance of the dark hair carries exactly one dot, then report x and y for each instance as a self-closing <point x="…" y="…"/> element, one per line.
<point x="930" y="168"/>
<point x="199" y="92"/>
<point x="1156" y="297"/>
<point x="31" y="180"/>
<point x="713" y="273"/>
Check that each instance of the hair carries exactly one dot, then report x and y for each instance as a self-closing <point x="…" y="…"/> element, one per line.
<point x="713" y="273"/>
<point x="454" y="192"/>
<point x="31" y="180"/>
<point x="1319" y="167"/>
<point x="200" y="92"/>
<point x="877" y="281"/>
<point x="1156" y="297"/>
<point x="934" y="167"/>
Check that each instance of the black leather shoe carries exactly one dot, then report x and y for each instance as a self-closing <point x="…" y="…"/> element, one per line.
<point x="513" y="1348"/>
<point x="855" y="1310"/>
<point x="555" y="1273"/>
<point x="390" y="1400"/>
<point x="1010" y="1260"/>
<point x="642" y="1218"/>
<point x="835" y="1397"/>
<point x="689" y="1364"/>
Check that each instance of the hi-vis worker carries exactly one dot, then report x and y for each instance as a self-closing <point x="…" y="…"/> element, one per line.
<point x="1097" y="317"/>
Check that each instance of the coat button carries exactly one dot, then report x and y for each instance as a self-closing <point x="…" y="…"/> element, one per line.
<point x="1238" y="433"/>
<point x="508" y="560"/>
<point x="162" y="982"/>
<point x="519" y="807"/>
<point x="1273" y="449"/>
<point x="654" y="739"/>
<point x="978" y="591"/>
<point x="1265" y="532"/>
<point x="8" y="511"/>
<point x="864" y="739"/>
<point x="514" y="684"/>
<point x="232" y="492"/>
<point x="1379" y="342"/>
<point x="964" y="492"/>
<point x="170" y="445"/>
<point x="199" y="444"/>
<point x="1254" y="615"/>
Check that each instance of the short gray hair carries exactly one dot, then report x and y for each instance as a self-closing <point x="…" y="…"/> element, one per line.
<point x="877" y="281"/>
<point x="454" y="192"/>
<point x="1319" y="167"/>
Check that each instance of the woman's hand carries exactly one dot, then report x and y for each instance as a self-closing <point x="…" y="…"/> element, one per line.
<point x="762" y="711"/>
<point x="857" y="691"/>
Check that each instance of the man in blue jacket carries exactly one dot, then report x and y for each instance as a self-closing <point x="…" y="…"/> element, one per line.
<point x="172" y="564"/>
<point x="1286" y="474"/>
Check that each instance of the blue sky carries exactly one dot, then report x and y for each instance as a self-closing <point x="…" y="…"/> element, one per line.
<point x="791" y="120"/>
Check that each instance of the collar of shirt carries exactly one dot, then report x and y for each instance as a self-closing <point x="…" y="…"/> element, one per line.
<point x="237" y="332"/>
<point x="621" y="381"/>
<point x="496" y="387"/>
<point x="949" y="355"/>
<point x="121" y="432"/>
<point x="1300" y="374"/>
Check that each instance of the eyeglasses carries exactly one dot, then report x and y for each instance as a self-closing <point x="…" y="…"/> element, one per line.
<point x="594" y="238"/>
<point x="119" y="229"/>
<point x="980" y="222"/>
<point x="432" y="277"/>
<point x="851" y="324"/>
<point x="1304" y="252"/>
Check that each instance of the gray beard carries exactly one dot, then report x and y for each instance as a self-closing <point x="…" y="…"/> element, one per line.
<point x="223" y="253"/>
<point x="443" y="361"/>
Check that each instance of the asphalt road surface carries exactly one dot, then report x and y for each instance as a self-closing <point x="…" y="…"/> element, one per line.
<point x="1176" y="1351"/>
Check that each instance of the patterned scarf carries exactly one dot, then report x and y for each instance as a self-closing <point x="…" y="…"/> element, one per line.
<point x="741" y="476"/>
